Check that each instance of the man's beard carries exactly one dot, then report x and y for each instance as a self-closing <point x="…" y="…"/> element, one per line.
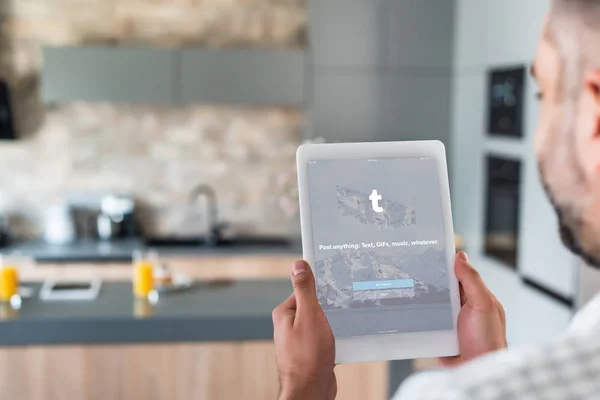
<point x="568" y="224"/>
<point x="570" y="214"/>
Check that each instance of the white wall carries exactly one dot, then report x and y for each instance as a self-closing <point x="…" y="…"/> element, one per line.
<point x="493" y="33"/>
<point x="588" y="282"/>
<point x="380" y="69"/>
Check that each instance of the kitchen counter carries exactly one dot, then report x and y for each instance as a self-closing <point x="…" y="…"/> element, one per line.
<point x="132" y="350"/>
<point x="78" y="252"/>
<point x="122" y="250"/>
<point x="210" y="328"/>
<point x="226" y="311"/>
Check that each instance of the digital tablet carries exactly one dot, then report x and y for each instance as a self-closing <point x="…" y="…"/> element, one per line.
<point x="377" y="232"/>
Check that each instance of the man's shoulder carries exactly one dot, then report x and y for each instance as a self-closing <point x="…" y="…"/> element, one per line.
<point x="570" y="365"/>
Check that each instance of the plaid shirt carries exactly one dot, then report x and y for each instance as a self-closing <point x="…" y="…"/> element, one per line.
<point x="567" y="369"/>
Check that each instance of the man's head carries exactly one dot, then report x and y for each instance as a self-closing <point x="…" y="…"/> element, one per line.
<point x="567" y="68"/>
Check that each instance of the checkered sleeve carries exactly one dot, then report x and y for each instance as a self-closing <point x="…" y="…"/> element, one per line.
<point x="427" y="386"/>
<point x="566" y="369"/>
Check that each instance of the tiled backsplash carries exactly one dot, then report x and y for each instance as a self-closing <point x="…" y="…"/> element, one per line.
<point x="214" y="23"/>
<point x="156" y="153"/>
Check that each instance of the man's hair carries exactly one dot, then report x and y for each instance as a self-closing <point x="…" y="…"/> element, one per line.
<point x="585" y="11"/>
<point x="575" y="29"/>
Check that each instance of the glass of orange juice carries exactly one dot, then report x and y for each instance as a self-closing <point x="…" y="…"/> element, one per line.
<point x="144" y="262"/>
<point x="9" y="279"/>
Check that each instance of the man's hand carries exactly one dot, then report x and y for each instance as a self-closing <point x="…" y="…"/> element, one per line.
<point x="481" y="322"/>
<point x="304" y="342"/>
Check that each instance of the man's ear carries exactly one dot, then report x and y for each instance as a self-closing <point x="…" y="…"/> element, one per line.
<point x="592" y="83"/>
<point x="589" y="130"/>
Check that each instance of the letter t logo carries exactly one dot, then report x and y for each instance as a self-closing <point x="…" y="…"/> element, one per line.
<point x="375" y="197"/>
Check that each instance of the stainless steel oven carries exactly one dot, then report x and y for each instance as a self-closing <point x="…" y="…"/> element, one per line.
<point x="502" y="209"/>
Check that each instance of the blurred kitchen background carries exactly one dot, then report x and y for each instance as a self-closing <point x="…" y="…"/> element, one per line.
<point x="171" y="126"/>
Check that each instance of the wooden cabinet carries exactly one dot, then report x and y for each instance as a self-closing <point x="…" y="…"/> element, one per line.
<point x="163" y="76"/>
<point x="267" y="77"/>
<point x="122" y="75"/>
<point x="185" y="371"/>
<point x="172" y="371"/>
<point x="197" y="267"/>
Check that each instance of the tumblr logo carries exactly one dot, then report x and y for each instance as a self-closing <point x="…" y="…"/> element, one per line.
<point x="375" y="197"/>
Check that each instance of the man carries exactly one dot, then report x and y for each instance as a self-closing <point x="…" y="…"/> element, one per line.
<point x="567" y="68"/>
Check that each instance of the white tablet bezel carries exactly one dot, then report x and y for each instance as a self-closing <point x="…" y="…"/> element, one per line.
<point x="393" y="346"/>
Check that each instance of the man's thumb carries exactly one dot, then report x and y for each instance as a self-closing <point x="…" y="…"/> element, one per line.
<point x="303" y="281"/>
<point x="475" y="289"/>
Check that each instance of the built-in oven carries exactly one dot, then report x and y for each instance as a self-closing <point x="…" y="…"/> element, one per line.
<point x="502" y="209"/>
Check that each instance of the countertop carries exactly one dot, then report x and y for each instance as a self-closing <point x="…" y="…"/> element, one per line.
<point x="122" y="250"/>
<point x="239" y="311"/>
<point x="234" y="311"/>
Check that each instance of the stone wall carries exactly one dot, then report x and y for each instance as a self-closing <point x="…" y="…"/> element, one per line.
<point x="155" y="153"/>
<point x="266" y="23"/>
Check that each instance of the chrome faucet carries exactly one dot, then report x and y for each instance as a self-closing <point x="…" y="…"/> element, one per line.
<point x="213" y="235"/>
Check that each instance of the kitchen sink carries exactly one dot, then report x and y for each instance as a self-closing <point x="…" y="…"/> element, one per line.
<point x="199" y="241"/>
<point x="122" y="250"/>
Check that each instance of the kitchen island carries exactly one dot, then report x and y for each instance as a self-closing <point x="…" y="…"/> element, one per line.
<point x="218" y="311"/>
<point x="212" y="342"/>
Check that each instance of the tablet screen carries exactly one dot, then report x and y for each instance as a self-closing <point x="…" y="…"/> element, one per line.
<point x="379" y="253"/>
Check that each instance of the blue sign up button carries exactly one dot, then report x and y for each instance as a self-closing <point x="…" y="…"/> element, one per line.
<point x="380" y="285"/>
